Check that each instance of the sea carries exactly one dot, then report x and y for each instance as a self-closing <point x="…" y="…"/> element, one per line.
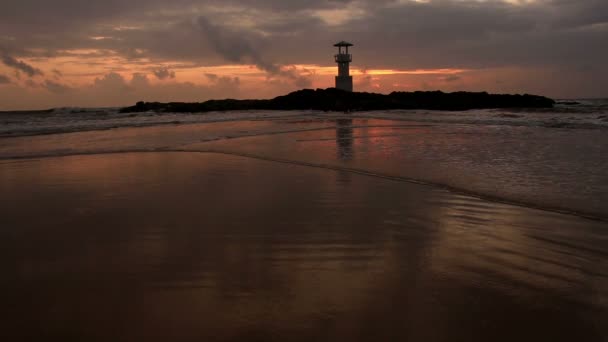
<point x="579" y="113"/>
<point x="553" y="158"/>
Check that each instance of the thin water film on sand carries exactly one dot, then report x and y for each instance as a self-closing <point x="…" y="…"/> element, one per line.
<point x="182" y="246"/>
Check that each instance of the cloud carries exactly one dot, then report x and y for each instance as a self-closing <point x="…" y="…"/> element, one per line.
<point x="21" y="66"/>
<point x="225" y="83"/>
<point x="4" y="79"/>
<point x="139" y="80"/>
<point x="211" y="77"/>
<point x="239" y="46"/>
<point x="111" y="81"/>
<point x="114" y="89"/>
<point x="564" y="36"/>
<point x="234" y="45"/>
<point x="32" y="84"/>
<point x="164" y="73"/>
<point x="56" y="87"/>
<point x="276" y="33"/>
<point x="364" y="82"/>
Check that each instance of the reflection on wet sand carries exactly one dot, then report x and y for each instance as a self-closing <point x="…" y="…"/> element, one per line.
<point x="198" y="246"/>
<point x="344" y="138"/>
<point x="561" y="171"/>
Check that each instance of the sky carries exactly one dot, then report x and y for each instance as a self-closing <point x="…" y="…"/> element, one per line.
<point x="100" y="53"/>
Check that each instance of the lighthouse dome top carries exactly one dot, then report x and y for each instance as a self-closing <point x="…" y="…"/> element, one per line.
<point x="343" y="43"/>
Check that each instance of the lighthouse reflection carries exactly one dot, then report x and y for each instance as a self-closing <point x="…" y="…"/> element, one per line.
<point x="344" y="138"/>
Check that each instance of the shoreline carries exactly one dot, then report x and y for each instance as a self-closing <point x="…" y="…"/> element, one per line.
<point x="500" y="118"/>
<point x="593" y="216"/>
<point x="292" y="133"/>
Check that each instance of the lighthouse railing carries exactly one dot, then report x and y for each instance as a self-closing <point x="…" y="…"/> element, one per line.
<point x="344" y="58"/>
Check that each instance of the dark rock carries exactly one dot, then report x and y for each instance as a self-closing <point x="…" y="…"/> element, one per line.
<point x="332" y="99"/>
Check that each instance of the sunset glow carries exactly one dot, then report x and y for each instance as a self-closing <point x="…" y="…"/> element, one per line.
<point x="115" y="54"/>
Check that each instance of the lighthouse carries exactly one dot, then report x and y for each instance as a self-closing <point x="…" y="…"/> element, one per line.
<point x="344" y="80"/>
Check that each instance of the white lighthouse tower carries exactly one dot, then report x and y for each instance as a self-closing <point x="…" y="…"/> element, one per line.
<point x="344" y="80"/>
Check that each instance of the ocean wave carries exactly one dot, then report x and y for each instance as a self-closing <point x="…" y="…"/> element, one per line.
<point x="579" y="114"/>
<point x="16" y="124"/>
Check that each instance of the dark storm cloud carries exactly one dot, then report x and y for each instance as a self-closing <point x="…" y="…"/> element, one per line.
<point x="36" y="23"/>
<point x="568" y="35"/>
<point x="43" y="16"/>
<point x="434" y="33"/>
<point x="579" y="13"/>
<point x="20" y="65"/>
<point x="239" y="46"/>
<point x="482" y="34"/>
<point x="232" y="45"/>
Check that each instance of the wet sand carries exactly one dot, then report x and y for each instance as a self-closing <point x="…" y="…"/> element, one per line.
<point x="300" y="230"/>
<point x="554" y="169"/>
<point x="202" y="246"/>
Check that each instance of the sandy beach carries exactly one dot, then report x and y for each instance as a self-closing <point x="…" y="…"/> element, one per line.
<point x="281" y="170"/>
<point x="308" y="229"/>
